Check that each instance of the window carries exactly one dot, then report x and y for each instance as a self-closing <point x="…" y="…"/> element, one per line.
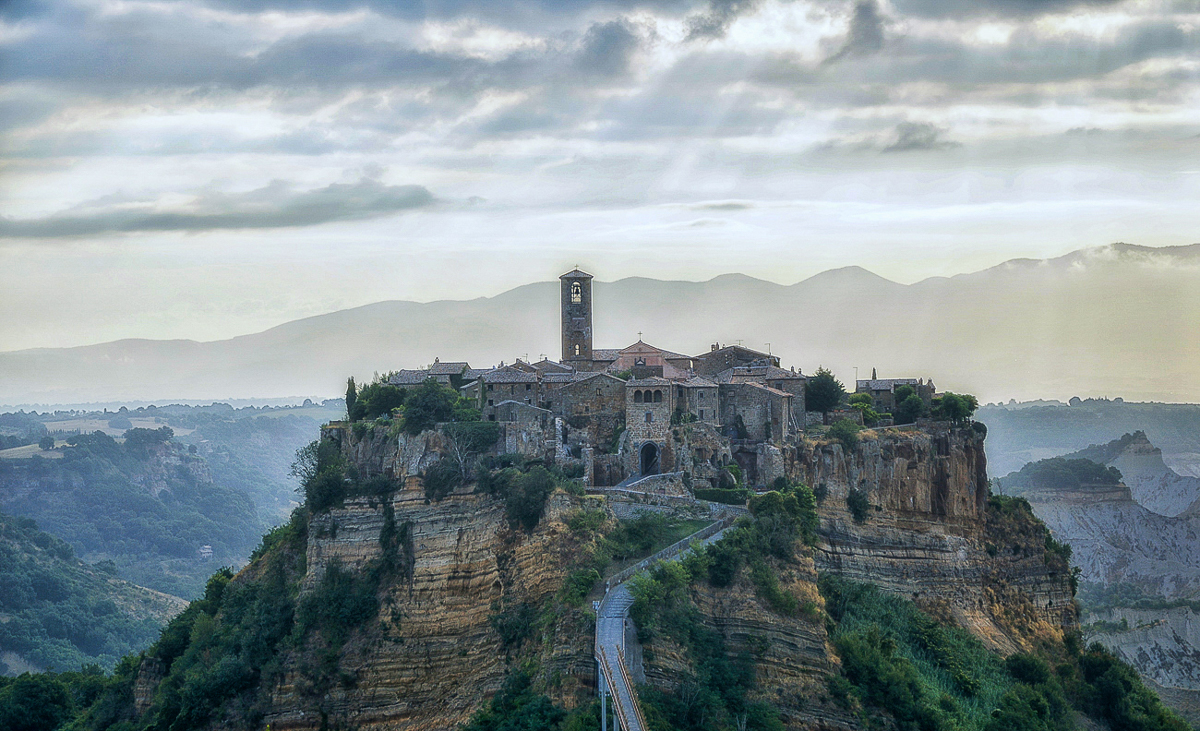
<point x="587" y="409"/>
<point x="701" y="413"/>
<point x="576" y="349"/>
<point x="528" y="386"/>
<point x="490" y="402"/>
<point x="489" y="387"/>
<point x="491" y="417"/>
<point x="526" y="400"/>
<point x="637" y="397"/>
<point x="649" y="418"/>
<point x="701" y="395"/>
<point x="658" y="397"/>
<point x="576" y="293"/>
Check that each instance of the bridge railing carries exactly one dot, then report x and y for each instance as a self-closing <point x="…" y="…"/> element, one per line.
<point x="670" y="551"/>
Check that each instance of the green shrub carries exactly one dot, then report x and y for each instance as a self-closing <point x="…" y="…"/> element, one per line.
<point x="858" y="505"/>
<point x="321" y="470"/>
<point x="514" y="625"/>
<point x="441" y="478"/>
<point x="586" y="521"/>
<point x="578" y="585"/>
<point x="846" y="432"/>
<point x="526" y="498"/>
<point x="727" y="497"/>
<point x="341" y="601"/>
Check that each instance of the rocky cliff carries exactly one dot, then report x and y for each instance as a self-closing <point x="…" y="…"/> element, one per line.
<point x="930" y="533"/>
<point x="470" y="596"/>
<point x="1153" y="484"/>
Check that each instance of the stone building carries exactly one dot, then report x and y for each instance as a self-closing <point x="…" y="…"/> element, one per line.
<point x="649" y="403"/>
<point x="883" y="390"/>
<point x="764" y="413"/>
<point x="642" y="409"/>
<point x="576" y="305"/>
<point x="507" y="383"/>
<point x="722" y="358"/>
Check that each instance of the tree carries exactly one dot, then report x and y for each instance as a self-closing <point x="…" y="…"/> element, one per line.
<point x="910" y="409"/>
<point x="46" y="443"/>
<point x="865" y="404"/>
<point x="34" y="703"/>
<point x="823" y="392"/>
<point x="351" y="396"/>
<point x="954" y="407"/>
<point x="429" y="404"/>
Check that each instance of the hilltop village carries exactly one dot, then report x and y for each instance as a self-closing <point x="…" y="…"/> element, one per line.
<point x="615" y="409"/>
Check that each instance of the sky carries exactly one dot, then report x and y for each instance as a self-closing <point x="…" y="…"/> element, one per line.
<point x="207" y="168"/>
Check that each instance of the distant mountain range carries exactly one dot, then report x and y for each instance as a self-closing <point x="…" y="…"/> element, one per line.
<point x="1114" y="320"/>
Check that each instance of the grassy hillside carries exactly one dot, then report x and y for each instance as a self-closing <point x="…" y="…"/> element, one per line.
<point x="57" y="612"/>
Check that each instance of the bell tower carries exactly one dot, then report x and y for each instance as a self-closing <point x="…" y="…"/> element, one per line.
<point x="576" y="306"/>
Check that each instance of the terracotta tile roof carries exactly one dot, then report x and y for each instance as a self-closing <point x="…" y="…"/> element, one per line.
<point x="508" y="374"/>
<point x="698" y="382"/>
<point x="773" y="391"/>
<point x="651" y="381"/>
<point x="408" y="377"/>
<point x="605" y="353"/>
<point x="450" y="368"/>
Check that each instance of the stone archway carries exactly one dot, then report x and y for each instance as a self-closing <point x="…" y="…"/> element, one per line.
<point x="650" y="458"/>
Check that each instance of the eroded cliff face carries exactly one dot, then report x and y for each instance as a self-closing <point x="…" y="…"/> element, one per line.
<point x="432" y="657"/>
<point x="929" y="533"/>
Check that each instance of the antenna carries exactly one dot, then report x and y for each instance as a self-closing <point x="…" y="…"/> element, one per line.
<point x="768" y="348"/>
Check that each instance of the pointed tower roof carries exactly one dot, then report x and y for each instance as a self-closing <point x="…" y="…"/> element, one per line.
<point x="576" y="273"/>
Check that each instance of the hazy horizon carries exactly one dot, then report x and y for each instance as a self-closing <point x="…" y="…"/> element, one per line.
<point x="205" y="168"/>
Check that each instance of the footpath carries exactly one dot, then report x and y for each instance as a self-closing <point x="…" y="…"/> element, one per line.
<point x="612" y="614"/>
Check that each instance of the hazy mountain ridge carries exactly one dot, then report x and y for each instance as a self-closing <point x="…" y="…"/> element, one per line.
<point x="1019" y="329"/>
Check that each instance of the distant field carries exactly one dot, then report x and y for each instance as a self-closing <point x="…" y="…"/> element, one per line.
<point x="29" y="450"/>
<point x="87" y="426"/>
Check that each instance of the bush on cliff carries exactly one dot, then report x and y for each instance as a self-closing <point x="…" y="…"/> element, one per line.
<point x="321" y="470"/>
<point x="846" y="432"/>
<point x="524" y="493"/>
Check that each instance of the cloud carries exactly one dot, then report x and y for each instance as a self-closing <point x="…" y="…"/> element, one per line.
<point x="912" y="136"/>
<point x="607" y="49"/>
<point x="274" y="206"/>
<point x="714" y="22"/>
<point x="865" y="36"/>
<point x="991" y="8"/>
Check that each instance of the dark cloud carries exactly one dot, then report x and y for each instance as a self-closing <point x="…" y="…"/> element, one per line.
<point x="714" y="21"/>
<point x="913" y="136"/>
<point x="275" y="206"/>
<point x="607" y="49"/>
<point x="865" y="36"/>
<point x="993" y="8"/>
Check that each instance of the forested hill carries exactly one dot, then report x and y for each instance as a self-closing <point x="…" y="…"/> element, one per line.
<point x="147" y="503"/>
<point x="57" y="612"/>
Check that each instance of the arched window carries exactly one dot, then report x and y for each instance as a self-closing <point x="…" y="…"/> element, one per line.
<point x="637" y="397"/>
<point x="576" y="293"/>
<point x="658" y="397"/>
